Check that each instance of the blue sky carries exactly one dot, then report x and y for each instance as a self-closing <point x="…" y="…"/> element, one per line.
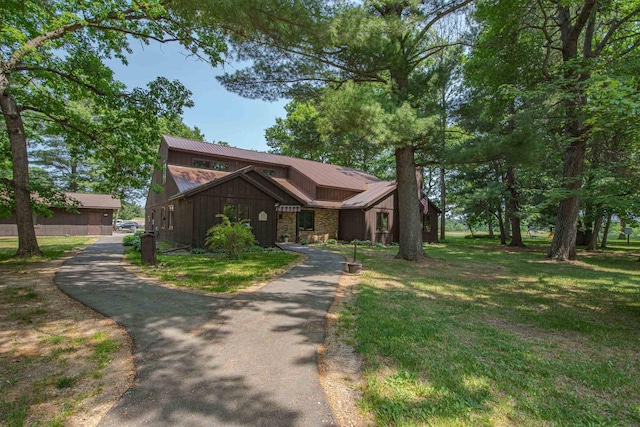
<point x="221" y="115"/>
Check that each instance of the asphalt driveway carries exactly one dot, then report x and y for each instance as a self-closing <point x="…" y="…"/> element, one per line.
<point x="207" y="361"/>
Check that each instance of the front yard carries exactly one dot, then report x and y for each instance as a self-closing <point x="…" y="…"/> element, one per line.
<point x="483" y="334"/>
<point x="60" y="363"/>
<point x="213" y="272"/>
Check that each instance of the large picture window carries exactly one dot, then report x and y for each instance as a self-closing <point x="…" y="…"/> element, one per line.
<point x="306" y="220"/>
<point x="236" y="211"/>
<point x="382" y="221"/>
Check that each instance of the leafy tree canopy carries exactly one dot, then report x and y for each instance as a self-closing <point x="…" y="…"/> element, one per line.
<point x="54" y="83"/>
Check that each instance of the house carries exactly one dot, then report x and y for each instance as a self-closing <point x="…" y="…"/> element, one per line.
<point x="281" y="197"/>
<point x="94" y="216"/>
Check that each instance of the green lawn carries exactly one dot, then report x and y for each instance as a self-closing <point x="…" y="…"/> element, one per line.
<point x="51" y="247"/>
<point x="483" y="334"/>
<point x="215" y="273"/>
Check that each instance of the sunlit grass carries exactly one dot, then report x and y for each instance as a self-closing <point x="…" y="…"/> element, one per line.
<point x="483" y="334"/>
<point x="215" y="273"/>
<point x="51" y="247"/>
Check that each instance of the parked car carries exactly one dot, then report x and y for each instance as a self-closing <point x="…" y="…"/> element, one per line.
<point x="128" y="225"/>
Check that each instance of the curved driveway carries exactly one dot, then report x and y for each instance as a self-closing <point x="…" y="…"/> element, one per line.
<point x="207" y="361"/>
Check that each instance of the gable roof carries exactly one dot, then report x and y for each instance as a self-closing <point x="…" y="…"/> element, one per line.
<point x="189" y="178"/>
<point x="323" y="174"/>
<point x="95" y="201"/>
<point x="371" y="195"/>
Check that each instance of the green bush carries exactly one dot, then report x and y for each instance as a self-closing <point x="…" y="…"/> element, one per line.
<point x="232" y="238"/>
<point x="304" y="242"/>
<point x="131" y="240"/>
<point x="198" y="251"/>
<point x="331" y="241"/>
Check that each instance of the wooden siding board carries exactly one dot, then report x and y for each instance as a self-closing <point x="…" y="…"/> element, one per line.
<point x="333" y="194"/>
<point x="352" y="224"/>
<point x="304" y="183"/>
<point x="61" y="223"/>
<point x="210" y="202"/>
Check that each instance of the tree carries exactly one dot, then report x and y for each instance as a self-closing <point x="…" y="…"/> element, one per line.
<point x="300" y="46"/>
<point x="130" y="211"/>
<point x="52" y="57"/>
<point x="328" y="129"/>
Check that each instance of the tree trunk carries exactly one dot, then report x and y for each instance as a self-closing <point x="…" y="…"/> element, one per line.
<point x="73" y="181"/>
<point x="592" y="243"/>
<point x="489" y="221"/>
<point x="571" y="28"/>
<point x="409" y="206"/>
<point x="443" y="142"/>
<point x="605" y="233"/>
<point x="512" y="208"/>
<point x="501" y="225"/>
<point x="563" y="246"/>
<point x="442" y="204"/>
<point x="27" y="242"/>
<point x="623" y="225"/>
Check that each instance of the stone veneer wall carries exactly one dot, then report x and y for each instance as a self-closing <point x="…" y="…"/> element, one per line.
<point x="325" y="226"/>
<point x="286" y="225"/>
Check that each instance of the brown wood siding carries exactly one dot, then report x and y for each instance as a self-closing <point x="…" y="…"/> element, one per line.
<point x="182" y="158"/>
<point x="209" y="203"/>
<point x="182" y="232"/>
<point x="352" y="225"/>
<point x="334" y="194"/>
<point x="61" y="223"/>
<point x="302" y="182"/>
<point x="154" y="198"/>
<point x="432" y="235"/>
<point x="386" y="205"/>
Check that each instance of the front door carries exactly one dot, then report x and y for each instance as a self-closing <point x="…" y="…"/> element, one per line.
<point x="94" y="225"/>
<point x="264" y="223"/>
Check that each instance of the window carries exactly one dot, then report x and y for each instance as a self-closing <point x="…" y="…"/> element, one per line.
<point x="219" y="166"/>
<point x="170" y="218"/>
<point x="236" y="211"/>
<point x="305" y="220"/>
<point x="162" y="218"/>
<point x="164" y="172"/>
<point x="269" y="172"/>
<point x="197" y="163"/>
<point x="382" y="221"/>
<point x="426" y="223"/>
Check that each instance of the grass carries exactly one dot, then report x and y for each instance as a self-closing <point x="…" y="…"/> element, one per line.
<point x="215" y="273"/>
<point x="48" y="359"/>
<point x="482" y="334"/>
<point x="51" y="247"/>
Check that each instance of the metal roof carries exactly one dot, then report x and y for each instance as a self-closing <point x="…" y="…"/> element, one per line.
<point x="323" y="174"/>
<point x="95" y="201"/>
<point x="189" y="178"/>
<point x="372" y="194"/>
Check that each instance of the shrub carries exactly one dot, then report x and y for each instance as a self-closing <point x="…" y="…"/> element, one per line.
<point x="332" y="241"/>
<point x="198" y="251"/>
<point x="232" y="238"/>
<point x="304" y="242"/>
<point x="132" y="240"/>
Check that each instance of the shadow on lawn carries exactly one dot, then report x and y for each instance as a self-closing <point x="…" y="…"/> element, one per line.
<point x="469" y="340"/>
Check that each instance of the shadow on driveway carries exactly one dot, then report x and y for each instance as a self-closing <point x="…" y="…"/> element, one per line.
<point x="202" y="360"/>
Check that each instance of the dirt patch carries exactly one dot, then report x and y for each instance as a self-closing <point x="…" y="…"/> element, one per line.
<point x="340" y="367"/>
<point x="59" y="361"/>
